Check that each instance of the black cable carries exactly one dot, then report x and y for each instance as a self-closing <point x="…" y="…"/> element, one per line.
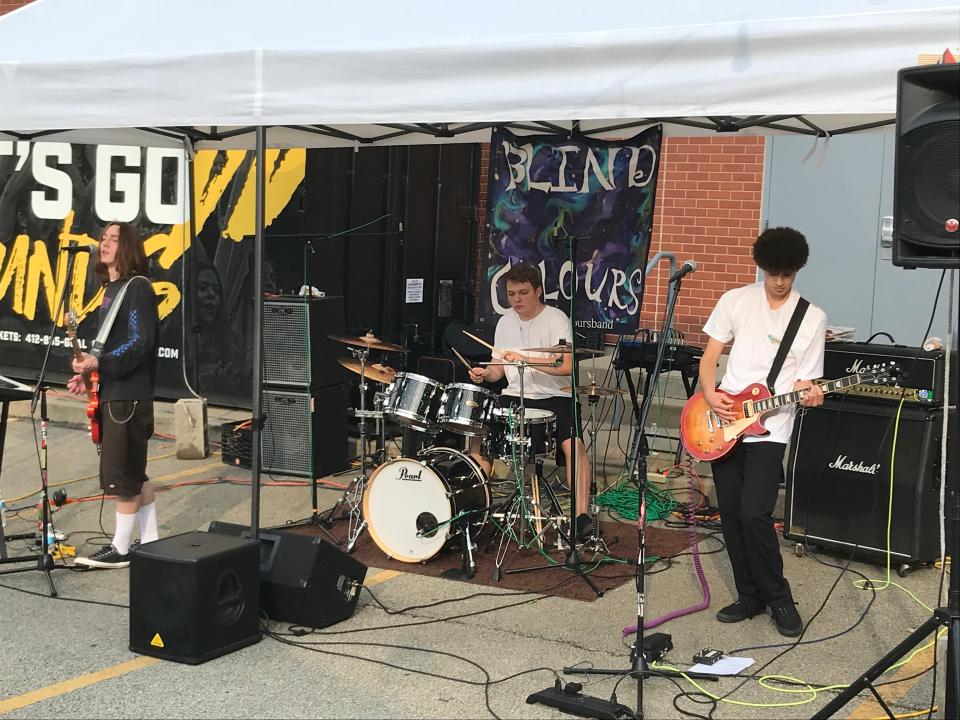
<point x="443" y="602"/>
<point x="863" y="615"/>
<point x="62" y="597"/>
<point x="486" y="683"/>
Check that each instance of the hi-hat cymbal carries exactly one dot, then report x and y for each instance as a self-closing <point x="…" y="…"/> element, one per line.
<point x="370" y="341"/>
<point x="595" y="390"/>
<point x="562" y="349"/>
<point x="379" y="373"/>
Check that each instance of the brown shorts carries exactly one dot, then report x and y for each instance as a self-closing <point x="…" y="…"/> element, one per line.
<point x="126" y="426"/>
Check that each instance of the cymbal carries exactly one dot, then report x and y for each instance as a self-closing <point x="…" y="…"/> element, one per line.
<point x="370" y="341"/>
<point x="595" y="390"/>
<point x="377" y="372"/>
<point x="566" y="349"/>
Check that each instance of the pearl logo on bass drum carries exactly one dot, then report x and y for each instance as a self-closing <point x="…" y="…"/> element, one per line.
<point x="841" y="463"/>
<point x="405" y="474"/>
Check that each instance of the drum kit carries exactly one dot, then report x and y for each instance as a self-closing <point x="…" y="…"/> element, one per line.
<point x="415" y="507"/>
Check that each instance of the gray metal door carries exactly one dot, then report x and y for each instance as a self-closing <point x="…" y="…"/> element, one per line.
<point x="837" y="196"/>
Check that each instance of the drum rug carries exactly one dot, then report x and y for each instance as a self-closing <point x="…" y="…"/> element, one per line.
<point x="621" y="539"/>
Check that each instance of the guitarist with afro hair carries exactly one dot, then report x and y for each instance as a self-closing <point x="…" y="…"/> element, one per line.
<point x="755" y="318"/>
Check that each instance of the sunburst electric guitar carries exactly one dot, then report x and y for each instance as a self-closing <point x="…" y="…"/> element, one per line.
<point x="91" y="380"/>
<point x="706" y="437"/>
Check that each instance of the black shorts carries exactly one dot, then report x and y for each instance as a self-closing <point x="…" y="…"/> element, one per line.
<point x="559" y="406"/>
<point x="126" y="426"/>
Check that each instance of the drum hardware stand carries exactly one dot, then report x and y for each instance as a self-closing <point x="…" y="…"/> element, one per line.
<point x="353" y="495"/>
<point x="572" y="559"/>
<point x="517" y="464"/>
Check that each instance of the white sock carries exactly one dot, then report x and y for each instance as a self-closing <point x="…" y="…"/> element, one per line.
<point x="124" y="533"/>
<point x="147" y="515"/>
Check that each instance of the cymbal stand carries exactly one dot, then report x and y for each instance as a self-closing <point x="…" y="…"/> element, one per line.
<point x="353" y="495"/>
<point x="600" y="546"/>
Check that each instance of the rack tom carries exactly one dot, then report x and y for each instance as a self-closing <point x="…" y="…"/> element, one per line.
<point x="413" y="400"/>
<point x="466" y="409"/>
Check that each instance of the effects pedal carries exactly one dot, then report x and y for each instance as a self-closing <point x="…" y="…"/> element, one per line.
<point x="568" y="698"/>
<point x="656" y="646"/>
<point x="707" y="656"/>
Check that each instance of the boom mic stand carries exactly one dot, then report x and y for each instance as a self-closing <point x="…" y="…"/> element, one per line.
<point x="638" y="455"/>
<point x="44" y="560"/>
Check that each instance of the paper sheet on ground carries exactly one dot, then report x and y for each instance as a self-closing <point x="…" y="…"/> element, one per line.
<point x="727" y="665"/>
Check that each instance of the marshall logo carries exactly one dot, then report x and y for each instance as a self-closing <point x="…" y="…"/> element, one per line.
<point x="405" y="474"/>
<point x="858" y="365"/>
<point x="841" y="463"/>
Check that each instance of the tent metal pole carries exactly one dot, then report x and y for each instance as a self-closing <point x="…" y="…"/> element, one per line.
<point x="255" y="459"/>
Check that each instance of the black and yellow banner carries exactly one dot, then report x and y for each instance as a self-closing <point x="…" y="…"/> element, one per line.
<point x="52" y="194"/>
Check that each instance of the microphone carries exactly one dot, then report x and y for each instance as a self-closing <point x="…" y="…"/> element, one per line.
<point x="688" y="266"/>
<point x="75" y="247"/>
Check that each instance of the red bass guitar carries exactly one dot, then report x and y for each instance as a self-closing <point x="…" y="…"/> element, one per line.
<point x="706" y="437"/>
<point x="91" y="380"/>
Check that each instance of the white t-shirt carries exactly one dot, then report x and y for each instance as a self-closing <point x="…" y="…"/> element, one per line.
<point x="744" y="316"/>
<point x="549" y="327"/>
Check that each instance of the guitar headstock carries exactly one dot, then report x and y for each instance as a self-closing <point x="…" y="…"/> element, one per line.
<point x="885" y="373"/>
<point x="71" y="324"/>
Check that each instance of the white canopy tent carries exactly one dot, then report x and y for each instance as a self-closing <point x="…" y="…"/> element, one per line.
<point x="322" y="74"/>
<point x="219" y="73"/>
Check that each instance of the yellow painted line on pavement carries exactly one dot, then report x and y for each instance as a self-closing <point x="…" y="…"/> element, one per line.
<point x="381" y="577"/>
<point x="81" y="681"/>
<point x="187" y="473"/>
<point x="870" y="708"/>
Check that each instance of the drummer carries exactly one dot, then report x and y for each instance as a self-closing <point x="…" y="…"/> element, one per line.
<point x="531" y="323"/>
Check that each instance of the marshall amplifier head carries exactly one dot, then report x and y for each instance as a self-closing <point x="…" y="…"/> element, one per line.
<point x="921" y="372"/>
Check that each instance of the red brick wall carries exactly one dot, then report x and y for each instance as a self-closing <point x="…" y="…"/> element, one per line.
<point x="708" y="210"/>
<point x="8" y="5"/>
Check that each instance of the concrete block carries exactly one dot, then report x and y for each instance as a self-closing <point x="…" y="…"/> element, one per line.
<point x="190" y="428"/>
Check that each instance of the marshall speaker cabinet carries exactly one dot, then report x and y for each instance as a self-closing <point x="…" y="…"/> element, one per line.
<point x="838" y="479"/>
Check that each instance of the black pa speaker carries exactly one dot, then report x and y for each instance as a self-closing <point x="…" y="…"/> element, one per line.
<point x="297" y="352"/>
<point x="926" y="180"/>
<point x="194" y="597"/>
<point x="838" y="479"/>
<point x="303" y="579"/>
<point x="304" y="434"/>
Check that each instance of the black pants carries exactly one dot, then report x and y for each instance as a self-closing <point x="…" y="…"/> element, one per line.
<point x="126" y="429"/>
<point x="747" y="482"/>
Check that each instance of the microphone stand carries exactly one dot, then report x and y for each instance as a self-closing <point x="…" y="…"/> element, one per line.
<point x="639" y="667"/>
<point x="44" y="560"/>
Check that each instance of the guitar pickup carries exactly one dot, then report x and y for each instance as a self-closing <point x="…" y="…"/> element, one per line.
<point x="710" y="421"/>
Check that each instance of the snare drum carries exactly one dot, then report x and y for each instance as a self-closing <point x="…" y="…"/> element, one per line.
<point x="413" y="400"/>
<point x="409" y="503"/>
<point x="465" y="409"/>
<point x="539" y="431"/>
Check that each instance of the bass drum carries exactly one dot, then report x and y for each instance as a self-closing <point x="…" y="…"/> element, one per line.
<point x="409" y="503"/>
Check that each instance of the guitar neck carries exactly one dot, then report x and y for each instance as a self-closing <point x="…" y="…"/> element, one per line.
<point x="791" y="398"/>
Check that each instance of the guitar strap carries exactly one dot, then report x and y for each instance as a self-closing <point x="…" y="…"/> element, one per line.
<point x="786" y="342"/>
<point x="97" y="348"/>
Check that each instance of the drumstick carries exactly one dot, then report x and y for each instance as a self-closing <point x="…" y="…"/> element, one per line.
<point x="483" y="342"/>
<point x="466" y="364"/>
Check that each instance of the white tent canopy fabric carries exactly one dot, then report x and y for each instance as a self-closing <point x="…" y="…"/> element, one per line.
<point x="328" y="73"/>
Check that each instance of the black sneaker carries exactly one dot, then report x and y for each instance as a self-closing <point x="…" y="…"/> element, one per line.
<point x="787" y="619"/>
<point x="106" y="557"/>
<point x="737" y="611"/>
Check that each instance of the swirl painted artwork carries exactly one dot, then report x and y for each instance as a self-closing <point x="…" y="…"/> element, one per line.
<point x="550" y="198"/>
